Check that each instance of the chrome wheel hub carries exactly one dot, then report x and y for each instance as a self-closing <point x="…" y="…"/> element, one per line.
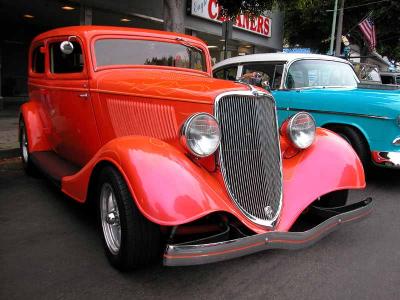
<point x="24" y="146"/>
<point x="110" y="218"/>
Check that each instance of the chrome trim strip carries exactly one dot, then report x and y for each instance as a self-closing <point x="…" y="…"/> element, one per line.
<point x="396" y="141"/>
<point x="253" y="93"/>
<point x="197" y="254"/>
<point x="337" y="113"/>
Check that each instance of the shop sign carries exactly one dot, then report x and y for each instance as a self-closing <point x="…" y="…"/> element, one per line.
<point x="209" y="9"/>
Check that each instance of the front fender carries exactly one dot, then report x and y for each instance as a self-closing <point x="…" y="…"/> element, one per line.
<point x="169" y="189"/>
<point x="330" y="164"/>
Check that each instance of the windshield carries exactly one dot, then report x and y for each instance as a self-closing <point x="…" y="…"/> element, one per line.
<point x="144" y="52"/>
<point x="320" y="73"/>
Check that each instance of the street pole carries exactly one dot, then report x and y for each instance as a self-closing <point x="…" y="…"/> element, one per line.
<point x="333" y="28"/>
<point x="339" y="29"/>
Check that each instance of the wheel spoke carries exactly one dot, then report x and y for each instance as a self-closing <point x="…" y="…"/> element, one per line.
<point x="110" y="218"/>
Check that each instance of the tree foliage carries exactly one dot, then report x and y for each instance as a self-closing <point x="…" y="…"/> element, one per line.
<point x="308" y="22"/>
<point x="233" y="8"/>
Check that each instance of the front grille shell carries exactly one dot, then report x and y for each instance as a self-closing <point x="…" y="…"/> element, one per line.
<point x="255" y="188"/>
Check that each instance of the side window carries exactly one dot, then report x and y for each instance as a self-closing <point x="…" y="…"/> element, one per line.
<point x="227" y="73"/>
<point x="270" y="72"/>
<point x="276" y="82"/>
<point x="387" y="79"/>
<point x="37" y="60"/>
<point x="295" y="79"/>
<point x="61" y="63"/>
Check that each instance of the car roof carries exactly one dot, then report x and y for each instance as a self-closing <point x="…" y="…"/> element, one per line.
<point x="92" y="30"/>
<point x="280" y="56"/>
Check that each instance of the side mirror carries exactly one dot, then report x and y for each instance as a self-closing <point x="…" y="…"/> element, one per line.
<point x="66" y="47"/>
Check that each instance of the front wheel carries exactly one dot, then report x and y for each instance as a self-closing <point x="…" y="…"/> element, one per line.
<point x="129" y="239"/>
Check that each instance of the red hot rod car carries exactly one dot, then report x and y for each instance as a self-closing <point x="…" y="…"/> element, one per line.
<point x="177" y="163"/>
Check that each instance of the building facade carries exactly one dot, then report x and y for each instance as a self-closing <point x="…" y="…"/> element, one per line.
<point x="21" y="20"/>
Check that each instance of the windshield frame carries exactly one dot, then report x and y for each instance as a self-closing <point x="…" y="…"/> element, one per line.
<point x="179" y="41"/>
<point x="289" y="64"/>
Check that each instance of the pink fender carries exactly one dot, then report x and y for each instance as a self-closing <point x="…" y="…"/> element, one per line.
<point x="35" y="131"/>
<point x="330" y="164"/>
<point x="169" y="189"/>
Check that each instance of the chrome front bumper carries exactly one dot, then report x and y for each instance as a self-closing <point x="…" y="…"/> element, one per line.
<point x="386" y="159"/>
<point x="196" y="254"/>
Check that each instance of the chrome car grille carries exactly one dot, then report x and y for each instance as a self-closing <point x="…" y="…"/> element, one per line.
<point x="249" y="155"/>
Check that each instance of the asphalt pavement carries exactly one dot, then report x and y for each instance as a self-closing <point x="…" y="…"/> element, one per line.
<point x="50" y="249"/>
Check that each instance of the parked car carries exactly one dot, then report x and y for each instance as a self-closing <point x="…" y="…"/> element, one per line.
<point x="367" y="73"/>
<point x="367" y="116"/>
<point x="390" y="78"/>
<point x="177" y="162"/>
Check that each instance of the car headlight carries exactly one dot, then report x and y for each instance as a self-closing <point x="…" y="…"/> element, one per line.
<point x="201" y="134"/>
<point x="301" y="130"/>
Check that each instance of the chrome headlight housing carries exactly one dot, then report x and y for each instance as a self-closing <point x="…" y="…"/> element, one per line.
<point x="200" y="134"/>
<point x="301" y="130"/>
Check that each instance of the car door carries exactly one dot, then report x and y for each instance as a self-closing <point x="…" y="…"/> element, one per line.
<point x="74" y="131"/>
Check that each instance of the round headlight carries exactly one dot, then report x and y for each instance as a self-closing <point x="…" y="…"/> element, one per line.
<point x="301" y="130"/>
<point x="200" y="134"/>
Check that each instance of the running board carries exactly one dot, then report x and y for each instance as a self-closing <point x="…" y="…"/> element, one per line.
<point x="53" y="166"/>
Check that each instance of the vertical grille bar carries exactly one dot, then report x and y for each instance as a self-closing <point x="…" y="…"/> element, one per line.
<point x="250" y="155"/>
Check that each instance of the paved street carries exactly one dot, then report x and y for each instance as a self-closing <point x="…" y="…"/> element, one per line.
<point x="49" y="248"/>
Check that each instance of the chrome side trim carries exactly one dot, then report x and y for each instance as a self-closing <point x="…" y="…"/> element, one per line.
<point x="337" y="113"/>
<point x="396" y="141"/>
<point x="254" y="93"/>
<point x="197" y="254"/>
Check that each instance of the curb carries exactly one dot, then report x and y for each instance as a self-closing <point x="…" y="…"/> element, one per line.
<point x="9" y="153"/>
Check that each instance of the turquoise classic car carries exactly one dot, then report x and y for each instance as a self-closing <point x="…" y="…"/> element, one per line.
<point x="367" y="116"/>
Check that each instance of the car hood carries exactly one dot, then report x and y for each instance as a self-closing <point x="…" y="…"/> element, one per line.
<point x="384" y="103"/>
<point x="168" y="84"/>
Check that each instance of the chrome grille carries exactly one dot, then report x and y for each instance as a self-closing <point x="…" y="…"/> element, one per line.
<point x="250" y="155"/>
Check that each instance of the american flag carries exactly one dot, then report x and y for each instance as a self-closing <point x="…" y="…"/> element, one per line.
<point x="367" y="27"/>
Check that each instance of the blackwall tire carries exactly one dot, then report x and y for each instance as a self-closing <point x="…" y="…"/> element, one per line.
<point x="130" y="240"/>
<point x="360" y="146"/>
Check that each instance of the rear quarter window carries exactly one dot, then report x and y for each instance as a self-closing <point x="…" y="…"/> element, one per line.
<point x="37" y="60"/>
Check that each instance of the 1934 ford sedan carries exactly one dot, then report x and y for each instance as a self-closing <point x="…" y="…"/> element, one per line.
<point x="177" y="162"/>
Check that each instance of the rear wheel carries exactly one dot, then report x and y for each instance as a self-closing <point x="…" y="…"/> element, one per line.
<point x="27" y="163"/>
<point x="129" y="239"/>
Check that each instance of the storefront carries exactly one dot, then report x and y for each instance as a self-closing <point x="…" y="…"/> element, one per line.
<point x="21" y="21"/>
<point x="258" y="35"/>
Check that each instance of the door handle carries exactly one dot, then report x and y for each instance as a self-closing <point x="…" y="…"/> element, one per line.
<point x="84" y="95"/>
